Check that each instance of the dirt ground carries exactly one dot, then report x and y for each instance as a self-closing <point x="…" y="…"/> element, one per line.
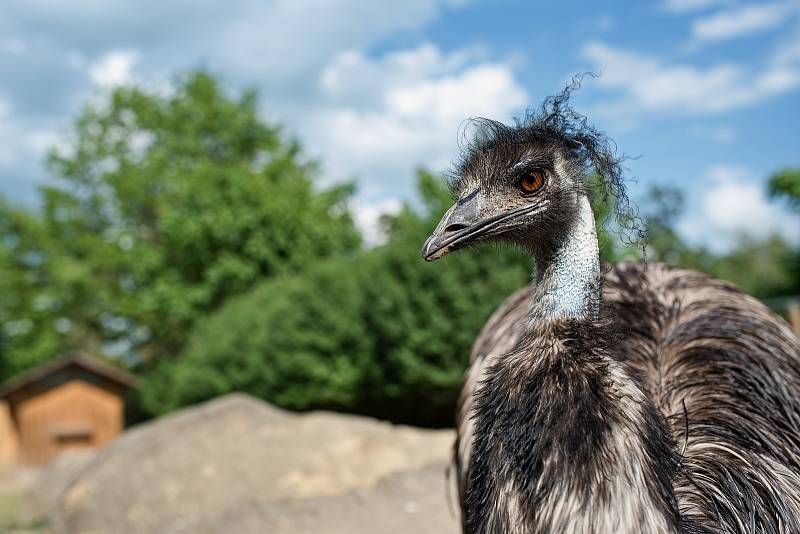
<point x="16" y="514"/>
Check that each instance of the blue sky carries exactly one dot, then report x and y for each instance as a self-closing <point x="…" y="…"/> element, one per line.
<point x="705" y="92"/>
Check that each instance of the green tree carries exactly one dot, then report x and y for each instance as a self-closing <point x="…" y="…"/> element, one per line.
<point x="196" y="197"/>
<point x="764" y="268"/>
<point x="46" y="294"/>
<point x="164" y="206"/>
<point x="296" y="340"/>
<point x="785" y="185"/>
<point x="30" y="299"/>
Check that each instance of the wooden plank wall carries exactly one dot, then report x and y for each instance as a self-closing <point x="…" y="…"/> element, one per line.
<point x="74" y="414"/>
<point x="9" y="440"/>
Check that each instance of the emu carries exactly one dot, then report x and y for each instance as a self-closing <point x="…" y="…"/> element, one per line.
<point x="636" y="398"/>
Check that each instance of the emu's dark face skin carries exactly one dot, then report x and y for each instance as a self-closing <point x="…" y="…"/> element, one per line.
<point x="516" y="190"/>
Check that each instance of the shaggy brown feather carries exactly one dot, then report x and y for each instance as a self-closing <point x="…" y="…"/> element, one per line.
<point x="687" y="340"/>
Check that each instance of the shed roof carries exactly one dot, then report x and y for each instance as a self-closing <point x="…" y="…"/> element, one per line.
<point x="89" y="363"/>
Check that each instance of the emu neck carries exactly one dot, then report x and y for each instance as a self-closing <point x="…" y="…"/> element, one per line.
<point x="568" y="273"/>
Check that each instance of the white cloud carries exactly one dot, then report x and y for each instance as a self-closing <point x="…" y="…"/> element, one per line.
<point x="20" y="141"/>
<point x="351" y="77"/>
<point x="717" y="133"/>
<point x="743" y="20"/>
<point x="605" y="23"/>
<point x="15" y="47"/>
<point x="365" y="117"/>
<point x="686" y="6"/>
<point x="368" y="218"/>
<point x="7" y="155"/>
<point x="279" y="47"/>
<point x="382" y="117"/>
<point x="723" y="134"/>
<point x="736" y="203"/>
<point x="292" y="40"/>
<point x="651" y="84"/>
<point x="788" y="52"/>
<point x="40" y="141"/>
<point x="76" y="60"/>
<point x="733" y="203"/>
<point x="114" y="68"/>
<point x="23" y="144"/>
<point x="8" y="139"/>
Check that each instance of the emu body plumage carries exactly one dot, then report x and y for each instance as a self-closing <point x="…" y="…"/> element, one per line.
<point x="673" y="350"/>
<point x="643" y="400"/>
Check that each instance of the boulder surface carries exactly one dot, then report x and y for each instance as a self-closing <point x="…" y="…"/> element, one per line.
<point x="237" y="464"/>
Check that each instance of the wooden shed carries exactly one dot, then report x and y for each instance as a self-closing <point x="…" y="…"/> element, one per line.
<point x="73" y="402"/>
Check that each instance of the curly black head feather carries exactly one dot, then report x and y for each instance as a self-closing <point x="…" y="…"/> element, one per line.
<point x="554" y="126"/>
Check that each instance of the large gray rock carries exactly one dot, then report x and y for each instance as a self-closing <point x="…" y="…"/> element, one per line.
<point x="236" y="464"/>
<point x="51" y="481"/>
<point x="406" y="502"/>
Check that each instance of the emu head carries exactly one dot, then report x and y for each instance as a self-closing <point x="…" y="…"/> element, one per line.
<point x="523" y="184"/>
<point x="518" y="186"/>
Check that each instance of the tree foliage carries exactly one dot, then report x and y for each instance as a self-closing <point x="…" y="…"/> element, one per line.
<point x="785" y="185"/>
<point x="32" y="324"/>
<point x="765" y="268"/>
<point x="164" y="206"/>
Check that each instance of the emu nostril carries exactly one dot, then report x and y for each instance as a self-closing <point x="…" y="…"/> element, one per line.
<point x="454" y="228"/>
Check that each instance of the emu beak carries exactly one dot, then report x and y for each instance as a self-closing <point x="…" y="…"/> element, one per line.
<point x="464" y="224"/>
<point x="455" y="227"/>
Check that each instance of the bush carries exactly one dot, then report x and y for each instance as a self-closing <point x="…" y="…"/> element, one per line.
<point x="295" y="341"/>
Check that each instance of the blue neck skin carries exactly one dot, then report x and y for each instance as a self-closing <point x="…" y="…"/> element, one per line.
<point x="568" y="281"/>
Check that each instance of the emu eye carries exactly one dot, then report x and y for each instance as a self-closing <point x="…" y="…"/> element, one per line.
<point x="531" y="181"/>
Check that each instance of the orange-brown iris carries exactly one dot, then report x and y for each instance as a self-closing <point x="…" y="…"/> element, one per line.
<point x="532" y="181"/>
